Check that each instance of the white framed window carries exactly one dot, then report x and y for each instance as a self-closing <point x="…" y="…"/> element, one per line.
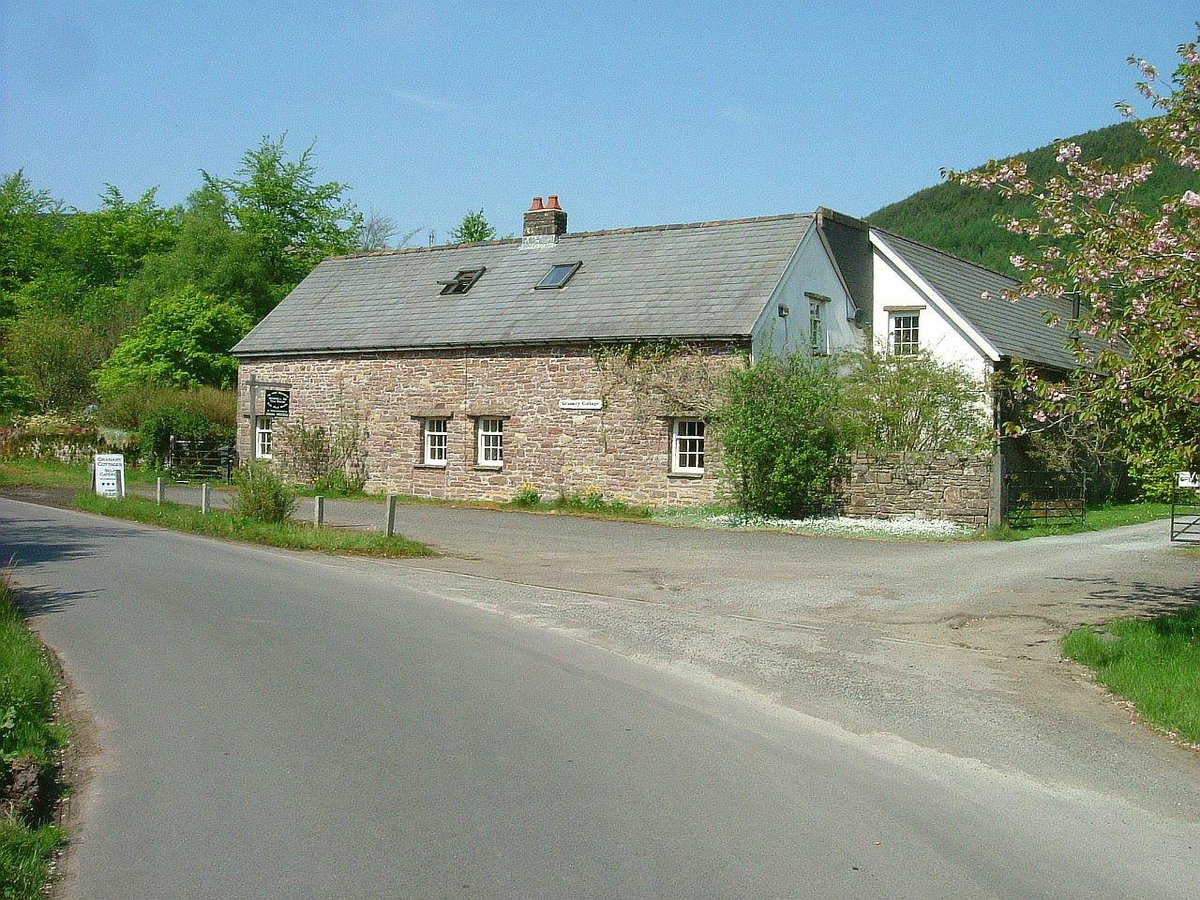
<point x="262" y="437"/>
<point x="435" y="440"/>
<point x="687" y="446"/>
<point x="489" y="447"/>
<point x="816" y="328"/>
<point x="906" y="332"/>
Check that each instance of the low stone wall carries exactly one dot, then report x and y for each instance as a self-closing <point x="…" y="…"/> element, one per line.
<point x="949" y="486"/>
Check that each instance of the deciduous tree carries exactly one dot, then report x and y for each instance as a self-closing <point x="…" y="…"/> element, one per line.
<point x="1135" y="277"/>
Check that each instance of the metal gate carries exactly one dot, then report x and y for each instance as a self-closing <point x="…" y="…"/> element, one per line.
<point x="1042" y="497"/>
<point x="1185" y="509"/>
<point x="201" y="460"/>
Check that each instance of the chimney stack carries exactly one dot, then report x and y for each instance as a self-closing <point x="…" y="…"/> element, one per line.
<point x="544" y="223"/>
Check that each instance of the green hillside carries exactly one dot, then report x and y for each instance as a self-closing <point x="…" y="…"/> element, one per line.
<point x="962" y="220"/>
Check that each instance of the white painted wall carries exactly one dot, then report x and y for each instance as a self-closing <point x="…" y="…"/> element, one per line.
<point x="938" y="334"/>
<point x="809" y="270"/>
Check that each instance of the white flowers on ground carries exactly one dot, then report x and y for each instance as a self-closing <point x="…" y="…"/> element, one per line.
<point x="844" y="525"/>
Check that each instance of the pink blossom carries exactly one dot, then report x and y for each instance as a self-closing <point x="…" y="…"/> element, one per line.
<point x="1191" y="198"/>
<point x="1068" y="153"/>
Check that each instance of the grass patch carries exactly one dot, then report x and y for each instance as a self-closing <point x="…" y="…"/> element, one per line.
<point x="47" y="473"/>
<point x="29" y="734"/>
<point x="218" y="523"/>
<point x="1099" y="518"/>
<point x="1154" y="663"/>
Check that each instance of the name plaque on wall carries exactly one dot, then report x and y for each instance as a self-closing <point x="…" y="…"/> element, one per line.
<point x="581" y="404"/>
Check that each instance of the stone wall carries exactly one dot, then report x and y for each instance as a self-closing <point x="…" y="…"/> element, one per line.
<point x="622" y="449"/>
<point x="935" y="486"/>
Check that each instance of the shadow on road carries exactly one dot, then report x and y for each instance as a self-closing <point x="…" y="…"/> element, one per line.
<point x="38" y="601"/>
<point x="31" y="540"/>
<point x="1141" y="597"/>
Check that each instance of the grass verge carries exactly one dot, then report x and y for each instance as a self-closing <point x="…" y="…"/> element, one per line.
<point x="48" y="473"/>
<point x="30" y="739"/>
<point x="1099" y="518"/>
<point x="288" y="535"/>
<point x="1154" y="663"/>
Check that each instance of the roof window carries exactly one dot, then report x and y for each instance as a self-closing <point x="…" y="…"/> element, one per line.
<point x="558" y="275"/>
<point x="462" y="282"/>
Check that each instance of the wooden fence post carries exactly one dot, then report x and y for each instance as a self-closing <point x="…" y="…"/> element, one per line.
<point x="159" y="491"/>
<point x="318" y="511"/>
<point x="390" y="525"/>
<point x="205" y="499"/>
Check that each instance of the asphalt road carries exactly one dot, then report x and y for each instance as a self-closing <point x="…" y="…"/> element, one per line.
<point x="282" y="725"/>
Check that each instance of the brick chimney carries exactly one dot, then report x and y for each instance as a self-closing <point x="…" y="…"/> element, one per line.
<point x="544" y="222"/>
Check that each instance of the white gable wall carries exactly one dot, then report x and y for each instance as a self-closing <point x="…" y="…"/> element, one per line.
<point x="939" y="334"/>
<point x="810" y="270"/>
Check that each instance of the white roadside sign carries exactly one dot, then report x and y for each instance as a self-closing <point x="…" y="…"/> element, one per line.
<point x="109" y="476"/>
<point x="1189" y="480"/>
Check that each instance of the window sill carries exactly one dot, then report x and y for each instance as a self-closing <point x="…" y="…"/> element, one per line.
<point x="480" y="467"/>
<point x="685" y="474"/>
<point x="425" y="465"/>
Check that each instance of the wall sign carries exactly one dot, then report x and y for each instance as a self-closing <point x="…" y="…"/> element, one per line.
<point x="581" y="404"/>
<point x="109" y="474"/>
<point x="277" y="404"/>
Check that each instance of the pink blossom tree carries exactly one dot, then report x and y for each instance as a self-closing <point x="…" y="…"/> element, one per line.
<point x="1133" y="276"/>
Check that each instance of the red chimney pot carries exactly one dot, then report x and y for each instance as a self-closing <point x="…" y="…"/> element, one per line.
<point x="537" y="204"/>
<point x="552" y="203"/>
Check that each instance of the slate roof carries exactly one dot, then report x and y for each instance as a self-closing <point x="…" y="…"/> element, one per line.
<point x="1014" y="328"/>
<point x="707" y="280"/>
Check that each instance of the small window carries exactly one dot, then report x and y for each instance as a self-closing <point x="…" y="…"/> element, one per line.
<point x="435" y="441"/>
<point x="490" y="446"/>
<point x="558" y="275"/>
<point x="906" y="333"/>
<point x="687" y="447"/>
<point x="816" y="328"/>
<point x="262" y="437"/>
<point x="462" y="282"/>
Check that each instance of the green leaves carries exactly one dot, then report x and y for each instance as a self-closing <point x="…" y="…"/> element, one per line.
<point x="184" y="340"/>
<point x="782" y="435"/>
<point x="474" y="227"/>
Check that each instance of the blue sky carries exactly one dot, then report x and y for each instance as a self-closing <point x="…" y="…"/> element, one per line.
<point x="634" y="113"/>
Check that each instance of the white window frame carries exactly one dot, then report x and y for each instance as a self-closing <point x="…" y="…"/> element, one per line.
<point x="818" y="338"/>
<point x="911" y="342"/>
<point x="435" y="441"/>
<point x="263" y="436"/>
<point x="489" y="442"/>
<point x="688" y="440"/>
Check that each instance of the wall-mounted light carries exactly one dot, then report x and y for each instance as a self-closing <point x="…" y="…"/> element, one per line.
<point x="783" y="310"/>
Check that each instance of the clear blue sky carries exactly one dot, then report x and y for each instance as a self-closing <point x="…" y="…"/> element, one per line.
<point x="635" y="113"/>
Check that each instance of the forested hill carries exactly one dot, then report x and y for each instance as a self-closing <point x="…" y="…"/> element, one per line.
<point x="962" y="220"/>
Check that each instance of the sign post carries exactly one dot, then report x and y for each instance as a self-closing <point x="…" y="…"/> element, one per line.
<point x="108" y="475"/>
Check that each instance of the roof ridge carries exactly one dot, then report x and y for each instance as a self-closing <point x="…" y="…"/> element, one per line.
<point x="942" y="252"/>
<point x="679" y="226"/>
<point x="400" y="251"/>
<point x="635" y="229"/>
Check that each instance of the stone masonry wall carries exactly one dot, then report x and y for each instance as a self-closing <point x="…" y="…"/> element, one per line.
<point x="622" y="450"/>
<point x="936" y="486"/>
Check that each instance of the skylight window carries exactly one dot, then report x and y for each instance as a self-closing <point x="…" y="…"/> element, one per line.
<point x="462" y="282"/>
<point x="558" y="275"/>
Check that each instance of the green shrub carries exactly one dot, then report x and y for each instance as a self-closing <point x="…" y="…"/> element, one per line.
<point x="527" y="497"/>
<point x="332" y="460"/>
<point x="783" y="436"/>
<point x="914" y="403"/>
<point x="130" y="407"/>
<point x="261" y="494"/>
<point x="591" y="500"/>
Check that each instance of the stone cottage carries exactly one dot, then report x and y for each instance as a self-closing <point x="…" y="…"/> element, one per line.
<point x="472" y="370"/>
